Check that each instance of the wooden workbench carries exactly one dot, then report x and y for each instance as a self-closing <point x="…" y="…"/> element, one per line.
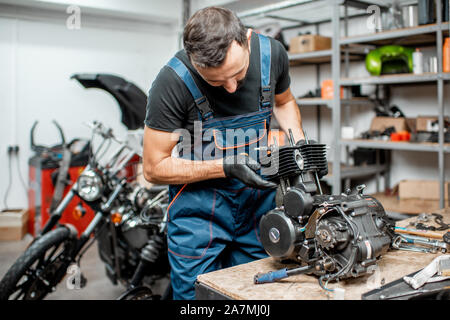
<point x="237" y="282"/>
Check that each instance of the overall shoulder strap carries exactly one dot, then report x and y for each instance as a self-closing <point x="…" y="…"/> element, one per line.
<point x="265" y="62"/>
<point x="201" y="102"/>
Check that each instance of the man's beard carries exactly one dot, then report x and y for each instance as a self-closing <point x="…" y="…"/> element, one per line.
<point x="240" y="83"/>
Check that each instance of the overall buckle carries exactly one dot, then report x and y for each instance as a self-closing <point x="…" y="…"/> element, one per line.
<point x="203" y="106"/>
<point x="266" y="96"/>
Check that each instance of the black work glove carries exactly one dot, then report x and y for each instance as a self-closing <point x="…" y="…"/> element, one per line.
<point x="241" y="168"/>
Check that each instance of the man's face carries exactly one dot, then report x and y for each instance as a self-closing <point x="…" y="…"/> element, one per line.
<point x="233" y="70"/>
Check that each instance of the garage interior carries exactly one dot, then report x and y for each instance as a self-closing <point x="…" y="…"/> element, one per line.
<point x="371" y="80"/>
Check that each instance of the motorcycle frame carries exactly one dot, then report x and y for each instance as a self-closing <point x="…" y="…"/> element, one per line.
<point x="117" y="161"/>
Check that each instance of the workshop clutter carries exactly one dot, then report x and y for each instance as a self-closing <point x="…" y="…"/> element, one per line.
<point x="388" y="129"/>
<point x="411" y="14"/>
<point x="13" y="224"/>
<point x="391" y="124"/>
<point x="426" y="128"/>
<point x="308" y="43"/>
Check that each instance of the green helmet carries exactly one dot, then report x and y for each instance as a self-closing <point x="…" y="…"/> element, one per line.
<point x="389" y="59"/>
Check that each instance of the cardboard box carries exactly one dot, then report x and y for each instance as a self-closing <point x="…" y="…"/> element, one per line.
<point x="382" y="123"/>
<point x="425" y="123"/>
<point x="13" y="224"/>
<point x="421" y="189"/>
<point x="308" y="43"/>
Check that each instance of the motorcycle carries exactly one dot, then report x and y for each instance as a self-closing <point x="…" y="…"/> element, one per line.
<point x="129" y="226"/>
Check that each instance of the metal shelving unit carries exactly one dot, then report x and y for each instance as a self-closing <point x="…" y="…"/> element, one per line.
<point x="436" y="31"/>
<point x="351" y="52"/>
<point x="323" y="56"/>
<point x="396" y="79"/>
<point x="341" y="53"/>
<point x="398" y="34"/>
<point x="329" y="102"/>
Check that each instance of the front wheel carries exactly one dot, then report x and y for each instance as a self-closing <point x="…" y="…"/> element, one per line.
<point x="139" y="293"/>
<point x="40" y="268"/>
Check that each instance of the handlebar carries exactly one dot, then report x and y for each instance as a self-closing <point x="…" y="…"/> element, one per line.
<point x="99" y="128"/>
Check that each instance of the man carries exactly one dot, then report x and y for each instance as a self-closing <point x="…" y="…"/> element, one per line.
<point x="225" y="80"/>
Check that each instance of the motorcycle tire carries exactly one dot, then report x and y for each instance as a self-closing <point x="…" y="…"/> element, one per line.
<point x="139" y="293"/>
<point x="44" y="255"/>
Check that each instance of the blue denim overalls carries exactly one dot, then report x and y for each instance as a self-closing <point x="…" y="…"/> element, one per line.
<point x="215" y="223"/>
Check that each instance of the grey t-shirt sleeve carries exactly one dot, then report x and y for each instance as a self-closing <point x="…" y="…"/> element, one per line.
<point x="167" y="103"/>
<point x="280" y="65"/>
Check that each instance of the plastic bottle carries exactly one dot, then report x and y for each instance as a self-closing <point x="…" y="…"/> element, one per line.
<point x="417" y="62"/>
<point x="446" y="55"/>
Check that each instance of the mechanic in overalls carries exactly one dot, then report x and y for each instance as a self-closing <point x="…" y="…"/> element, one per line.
<point x="226" y="79"/>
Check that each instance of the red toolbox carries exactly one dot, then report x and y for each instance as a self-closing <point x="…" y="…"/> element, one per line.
<point x="40" y="194"/>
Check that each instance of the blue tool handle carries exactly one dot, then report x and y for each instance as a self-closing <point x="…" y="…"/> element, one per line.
<point x="270" y="276"/>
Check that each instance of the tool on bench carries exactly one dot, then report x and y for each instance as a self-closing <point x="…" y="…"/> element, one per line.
<point x="438" y="219"/>
<point x="273" y="276"/>
<point x="419" y="244"/>
<point x="412" y="292"/>
<point x="423" y="233"/>
<point x="446" y="237"/>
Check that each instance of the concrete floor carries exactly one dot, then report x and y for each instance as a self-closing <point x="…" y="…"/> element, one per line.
<point x="98" y="286"/>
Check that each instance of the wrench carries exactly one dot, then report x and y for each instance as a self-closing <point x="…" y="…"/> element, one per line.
<point x="398" y="244"/>
<point x="436" y="244"/>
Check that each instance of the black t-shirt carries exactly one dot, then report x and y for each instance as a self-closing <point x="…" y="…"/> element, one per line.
<point x="170" y="105"/>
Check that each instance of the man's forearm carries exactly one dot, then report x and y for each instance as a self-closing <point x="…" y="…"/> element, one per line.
<point x="288" y="117"/>
<point x="180" y="171"/>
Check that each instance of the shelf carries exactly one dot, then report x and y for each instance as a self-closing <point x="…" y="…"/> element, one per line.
<point x="313" y="57"/>
<point x="329" y="102"/>
<point x="348" y="172"/>
<point x="323" y="56"/>
<point x="402" y="78"/>
<point x="393" y="145"/>
<point x="420" y="35"/>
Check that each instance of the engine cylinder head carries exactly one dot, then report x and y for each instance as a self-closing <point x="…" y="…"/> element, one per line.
<point x="289" y="161"/>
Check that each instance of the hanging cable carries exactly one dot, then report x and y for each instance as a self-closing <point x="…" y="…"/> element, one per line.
<point x="8" y="188"/>
<point x="21" y="176"/>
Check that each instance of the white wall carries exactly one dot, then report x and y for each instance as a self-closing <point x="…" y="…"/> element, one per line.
<point x="37" y="58"/>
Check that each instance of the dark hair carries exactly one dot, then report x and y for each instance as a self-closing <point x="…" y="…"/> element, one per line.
<point x="209" y="33"/>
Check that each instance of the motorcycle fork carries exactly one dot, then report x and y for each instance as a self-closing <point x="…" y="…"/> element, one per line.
<point x="90" y="229"/>
<point x="113" y="231"/>
<point x="55" y="215"/>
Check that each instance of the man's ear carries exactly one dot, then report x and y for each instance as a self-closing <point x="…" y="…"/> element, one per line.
<point x="249" y="36"/>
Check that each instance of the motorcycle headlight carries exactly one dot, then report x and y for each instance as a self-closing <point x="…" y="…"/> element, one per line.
<point x="90" y="186"/>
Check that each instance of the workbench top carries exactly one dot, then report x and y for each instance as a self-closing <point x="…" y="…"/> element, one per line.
<point x="237" y="282"/>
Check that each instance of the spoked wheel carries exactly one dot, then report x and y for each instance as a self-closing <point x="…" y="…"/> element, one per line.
<point x="39" y="269"/>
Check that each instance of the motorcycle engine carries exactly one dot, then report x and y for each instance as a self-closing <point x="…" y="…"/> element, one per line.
<point x="144" y="216"/>
<point x="337" y="236"/>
